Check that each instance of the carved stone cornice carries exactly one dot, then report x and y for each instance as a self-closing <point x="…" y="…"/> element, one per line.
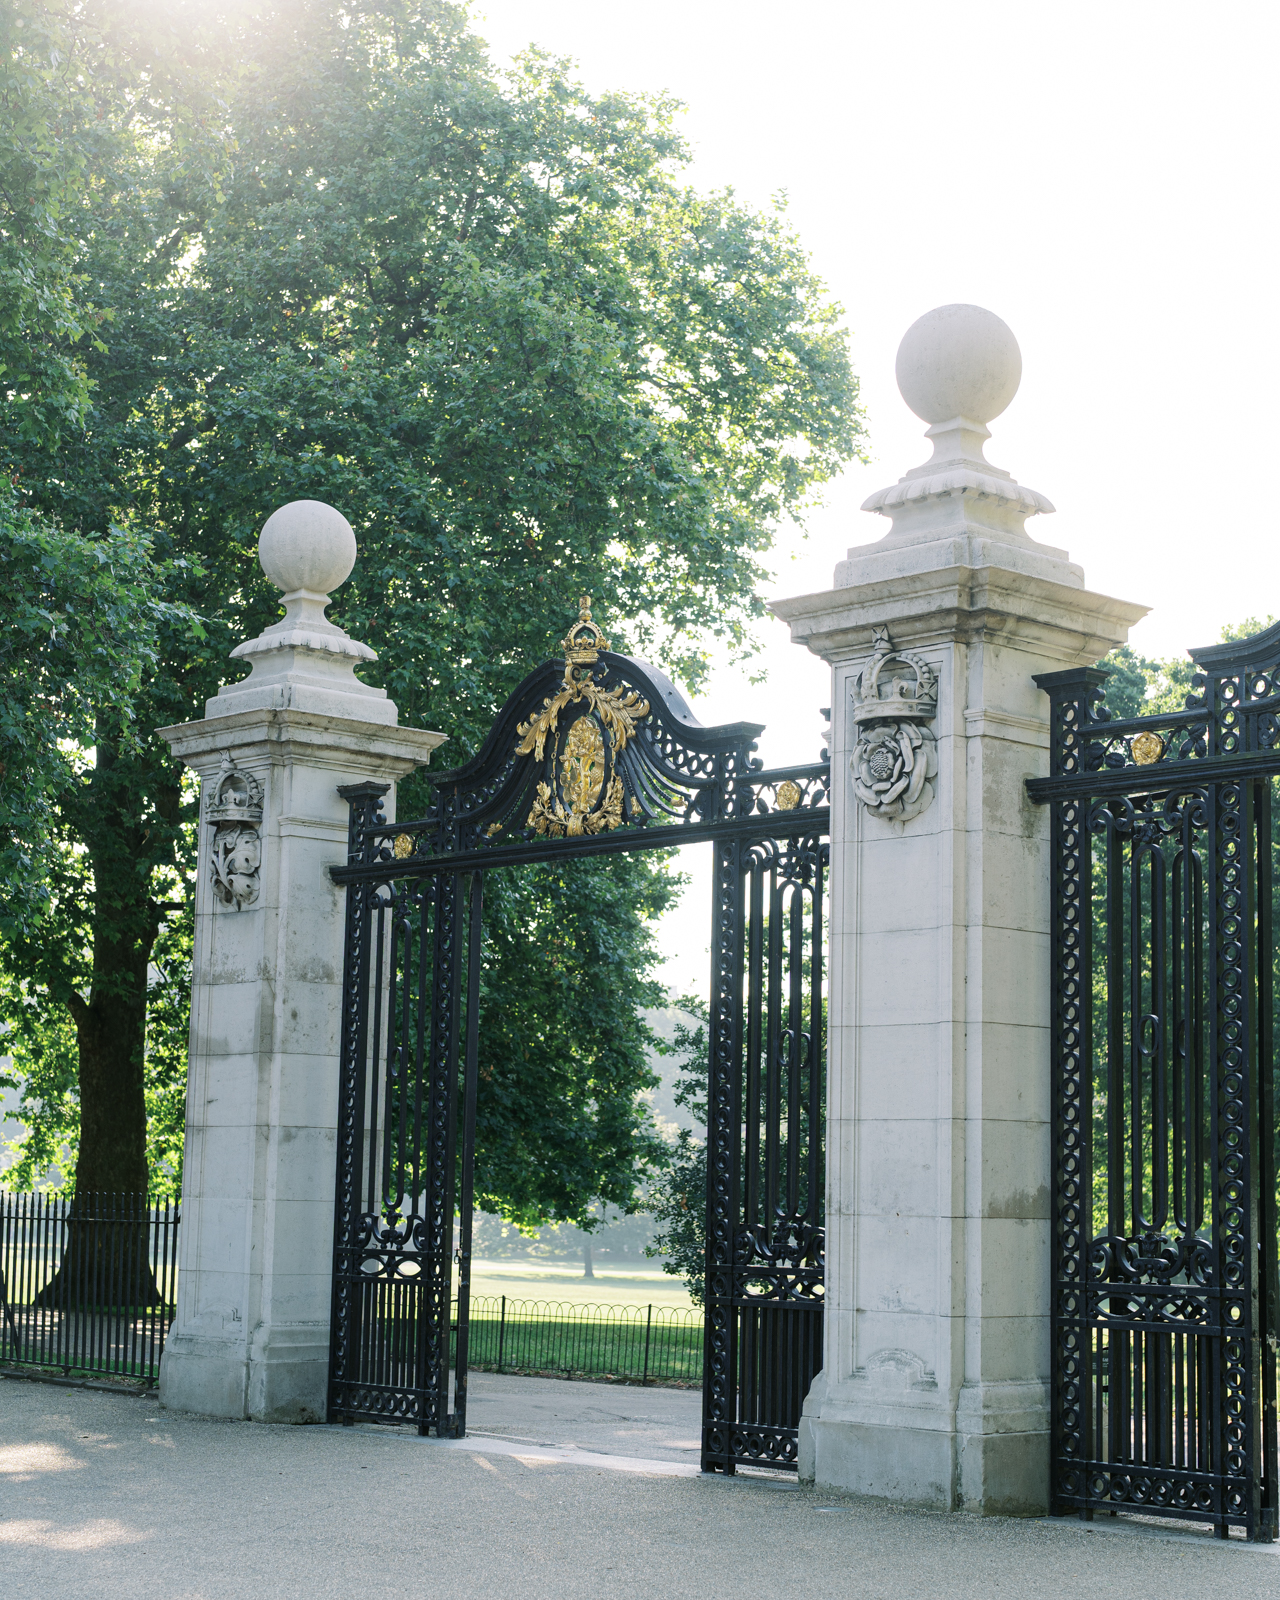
<point x="963" y="604"/>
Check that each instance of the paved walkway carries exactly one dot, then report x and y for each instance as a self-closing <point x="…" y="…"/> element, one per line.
<point x="565" y="1491"/>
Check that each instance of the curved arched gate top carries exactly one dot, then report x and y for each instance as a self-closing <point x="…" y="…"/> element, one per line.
<point x="593" y="754"/>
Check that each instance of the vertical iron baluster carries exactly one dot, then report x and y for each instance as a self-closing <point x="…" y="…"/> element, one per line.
<point x="773" y="1055"/>
<point x="1118" y="1345"/>
<point x="1133" y="1013"/>
<point x="405" y="1050"/>
<point x="755" y="974"/>
<point x="1179" y="1030"/>
<point x="1268" y="1083"/>
<point x="471" y="1078"/>
<point x="795" y="1038"/>
<point x="393" y="1071"/>
<point x="724" y="1094"/>
<point x="423" y="1011"/>
<point x="442" y="1122"/>
<point x="1116" y="1207"/>
<point x="817" y="1051"/>
<point x="1158" y="1012"/>
<point x="383" y="928"/>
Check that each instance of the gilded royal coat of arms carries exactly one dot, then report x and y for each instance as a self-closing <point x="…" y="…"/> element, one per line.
<point x="579" y="733"/>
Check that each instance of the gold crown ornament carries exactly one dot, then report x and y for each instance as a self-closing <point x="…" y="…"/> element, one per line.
<point x="584" y="641"/>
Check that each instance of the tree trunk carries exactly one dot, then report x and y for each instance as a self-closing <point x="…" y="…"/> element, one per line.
<point x="105" y="1259"/>
<point x="106" y="1263"/>
<point x="587" y="1269"/>
<point x="111" y="1034"/>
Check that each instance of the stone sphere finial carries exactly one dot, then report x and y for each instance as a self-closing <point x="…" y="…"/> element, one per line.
<point x="307" y="546"/>
<point x="958" y="361"/>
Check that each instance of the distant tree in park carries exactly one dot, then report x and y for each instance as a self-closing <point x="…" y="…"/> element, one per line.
<point x="677" y="1198"/>
<point x="331" y="253"/>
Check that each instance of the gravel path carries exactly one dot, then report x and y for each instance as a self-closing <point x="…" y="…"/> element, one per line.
<point x="566" y="1491"/>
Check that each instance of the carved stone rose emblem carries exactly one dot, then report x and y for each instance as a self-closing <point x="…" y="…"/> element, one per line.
<point x="234" y="810"/>
<point x="895" y="760"/>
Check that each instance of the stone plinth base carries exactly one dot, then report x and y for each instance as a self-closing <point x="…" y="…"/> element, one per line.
<point x="994" y="1468"/>
<point x="282" y="1377"/>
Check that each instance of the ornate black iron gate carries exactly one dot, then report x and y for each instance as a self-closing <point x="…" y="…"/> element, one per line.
<point x="1164" y="1085"/>
<point x="597" y="754"/>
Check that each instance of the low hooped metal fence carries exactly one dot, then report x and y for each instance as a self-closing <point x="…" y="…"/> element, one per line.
<point x="87" y="1282"/>
<point x="650" y="1343"/>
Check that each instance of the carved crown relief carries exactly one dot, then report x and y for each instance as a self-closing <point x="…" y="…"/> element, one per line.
<point x="895" y="760"/>
<point x="581" y="792"/>
<point x="233" y="807"/>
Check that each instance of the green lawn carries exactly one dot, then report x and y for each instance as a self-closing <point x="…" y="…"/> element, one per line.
<point x="594" y="1341"/>
<point x="526" y="1278"/>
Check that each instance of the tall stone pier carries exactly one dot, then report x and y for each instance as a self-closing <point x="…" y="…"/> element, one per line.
<point x="251" y="1338"/>
<point x="935" y="1389"/>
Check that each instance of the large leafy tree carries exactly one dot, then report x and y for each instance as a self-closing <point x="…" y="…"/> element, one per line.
<point x="80" y="613"/>
<point x="484" y="317"/>
<point x="78" y="616"/>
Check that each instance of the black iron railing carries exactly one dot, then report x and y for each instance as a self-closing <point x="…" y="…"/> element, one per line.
<point x="1166" y="1304"/>
<point x="651" y="1344"/>
<point x="87" y="1283"/>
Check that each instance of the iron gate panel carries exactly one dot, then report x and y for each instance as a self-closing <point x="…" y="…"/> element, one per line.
<point x="597" y="754"/>
<point x="1164" y="1243"/>
<point x="765" y="1119"/>
<point x="412" y="974"/>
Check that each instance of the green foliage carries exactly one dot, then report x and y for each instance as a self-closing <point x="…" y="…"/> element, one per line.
<point x="80" y="620"/>
<point x="165" y="1063"/>
<point x="41" y="1040"/>
<point x="42" y="1044"/>
<point x="678" y="1199"/>
<point x="43" y="151"/>
<point x="563" y="1048"/>
<point x="1140" y="687"/>
<point x="80" y="610"/>
<point x="334" y="255"/>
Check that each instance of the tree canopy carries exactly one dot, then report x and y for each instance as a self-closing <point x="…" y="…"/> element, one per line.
<point x="328" y="251"/>
<point x="78" y="614"/>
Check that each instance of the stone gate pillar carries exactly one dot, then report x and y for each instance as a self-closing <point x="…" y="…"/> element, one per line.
<point x="935" y="1388"/>
<point x="256" y="1242"/>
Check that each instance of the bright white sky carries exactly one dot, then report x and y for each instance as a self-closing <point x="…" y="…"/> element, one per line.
<point x="1101" y="175"/>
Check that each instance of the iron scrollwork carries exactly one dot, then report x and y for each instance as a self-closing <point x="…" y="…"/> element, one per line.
<point x="1163" y="1218"/>
<point x="587" y="751"/>
<point x="592" y="753"/>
